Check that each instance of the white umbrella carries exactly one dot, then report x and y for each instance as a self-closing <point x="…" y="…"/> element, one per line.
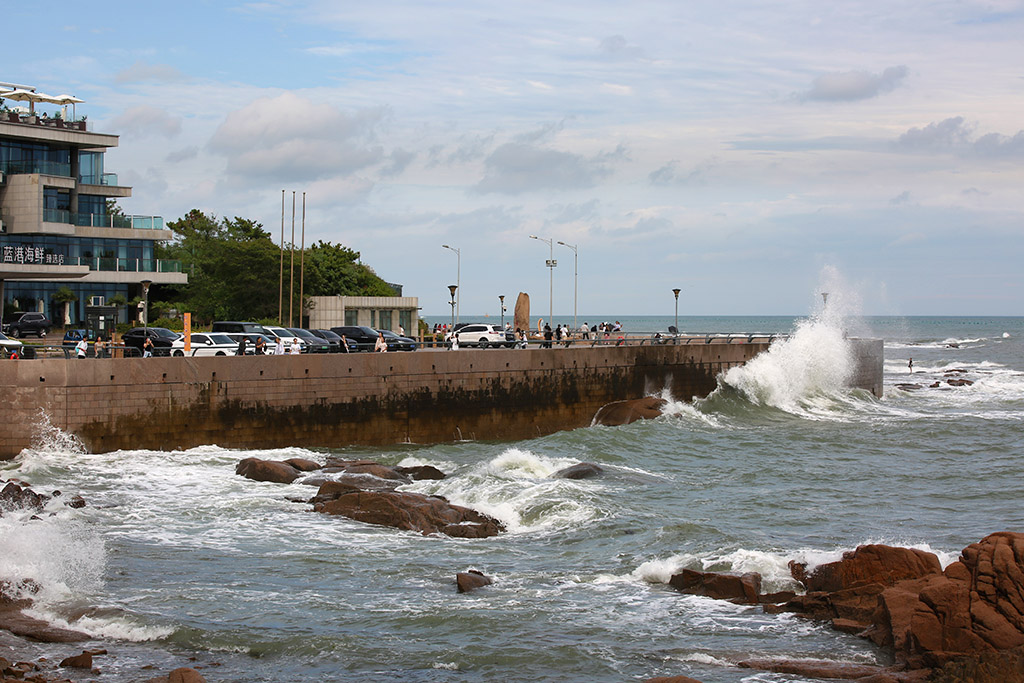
<point x="29" y="96"/>
<point x="65" y="100"/>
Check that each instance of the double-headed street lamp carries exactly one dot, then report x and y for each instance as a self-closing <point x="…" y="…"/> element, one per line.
<point x="551" y="264"/>
<point x="458" y="276"/>
<point x="575" y="280"/>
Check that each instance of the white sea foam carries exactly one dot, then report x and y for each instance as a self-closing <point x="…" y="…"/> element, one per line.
<point x="115" y="626"/>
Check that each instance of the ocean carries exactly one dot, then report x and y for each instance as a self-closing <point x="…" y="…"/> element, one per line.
<point x="177" y="561"/>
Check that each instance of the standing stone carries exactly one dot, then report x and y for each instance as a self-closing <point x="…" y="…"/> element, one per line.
<point x="522" y="312"/>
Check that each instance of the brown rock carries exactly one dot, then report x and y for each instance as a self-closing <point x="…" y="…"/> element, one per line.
<point x="744" y="589"/>
<point x="625" y="412"/>
<point x="82" y="661"/>
<point x="959" y="382"/>
<point x="869" y="564"/>
<point x="471" y="580"/>
<point x="421" y="472"/>
<point x="185" y="675"/>
<point x="367" y="467"/>
<point x="413" y="512"/>
<point x="672" y="679"/>
<point x="267" y="470"/>
<point x="15" y="497"/>
<point x="303" y="464"/>
<point x="813" y="668"/>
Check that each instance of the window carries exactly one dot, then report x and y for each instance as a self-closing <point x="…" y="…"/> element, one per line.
<point x="351" y="317"/>
<point x="384" y="318"/>
<point x="405" y="320"/>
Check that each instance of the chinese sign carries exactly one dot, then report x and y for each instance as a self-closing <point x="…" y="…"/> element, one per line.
<point x="19" y="253"/>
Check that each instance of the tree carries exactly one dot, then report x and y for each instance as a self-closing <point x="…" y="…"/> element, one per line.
<point x="65" y="296"/>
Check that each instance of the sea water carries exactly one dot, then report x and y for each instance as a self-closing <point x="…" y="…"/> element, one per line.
<point x="177" y="561"/>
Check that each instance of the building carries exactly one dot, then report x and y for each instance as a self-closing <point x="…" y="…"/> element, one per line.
<point x="56" y="225"/>
<point x="378" y="312"/>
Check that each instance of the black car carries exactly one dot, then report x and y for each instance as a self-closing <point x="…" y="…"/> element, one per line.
<point x="397" y="343"/>
<point x="162" y="339"/>
<point x="331" y="338"/>
<point x="314" y="344"/>
<point x="360" y="337"/>
<point x="20" y="324"/>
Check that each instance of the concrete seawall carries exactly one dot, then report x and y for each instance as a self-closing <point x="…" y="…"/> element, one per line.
<point x="370" y="399"/>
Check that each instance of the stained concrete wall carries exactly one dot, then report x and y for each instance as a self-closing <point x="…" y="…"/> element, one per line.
<point x="341" y="399"/>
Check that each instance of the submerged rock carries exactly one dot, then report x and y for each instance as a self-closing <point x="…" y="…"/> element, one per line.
<point x="267" y="470"/>
<point x="583" y="470"/>
<point x="745" y="589"/>
<point x="471" y="580"/>
<point x="413" y="512"/>
<point x="420" y="472"/>
<point x="625" y="412"/>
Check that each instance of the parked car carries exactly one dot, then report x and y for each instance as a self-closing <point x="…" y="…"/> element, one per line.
<point x="162" y="338"/>
<point x="9" y="346"/>
<point x="205" y="345"/>
<point x="314" y="344"/>
<point x="397" y="343"/>
<point x="483" y="335"/>
<point x="360" y="337"/>
<point x="331" y="338"/>
<point x="286" y="336"/>
<point x="235" y="326"/>
<point x="20" y="324"/>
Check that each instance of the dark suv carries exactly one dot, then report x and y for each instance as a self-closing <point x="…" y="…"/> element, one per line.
<point x="360" y="337"/>
<point x="162" y="338"/>
<point x="20" y="324"/>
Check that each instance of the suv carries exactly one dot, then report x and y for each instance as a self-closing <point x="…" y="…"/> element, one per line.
<point x="360" y="337"/>
<point x="232" y="326"/>
<point x="483" y="335"/>
<point x="20" y="324"/>
<point x="162" y="337"/>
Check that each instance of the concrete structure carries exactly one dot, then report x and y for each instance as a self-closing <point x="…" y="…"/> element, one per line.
<point x="335" y="400"/>
<point x="378" y="312"/>
<point x="57" y="230"/>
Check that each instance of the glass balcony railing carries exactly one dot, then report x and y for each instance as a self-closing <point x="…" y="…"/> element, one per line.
<point x="125" y="265"/>
<point x="22" y="167"/>
<point x="109" y="179"/>
<point x="97" y="220"/>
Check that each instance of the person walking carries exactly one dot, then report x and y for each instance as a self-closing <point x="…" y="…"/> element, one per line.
<point x="261" y="346"/>
<point x="241" y="346"/>
<point x="278" y="346"/>
<point x="82" y="348"/>
<point x="911" y="366"/>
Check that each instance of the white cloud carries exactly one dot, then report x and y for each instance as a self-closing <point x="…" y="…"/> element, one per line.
<point x="855" y="85"/>
<point x="145" y="121"/>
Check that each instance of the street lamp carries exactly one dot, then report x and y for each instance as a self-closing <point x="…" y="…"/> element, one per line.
<point x="575" y="280"/>
<point x="676" y="292"/>
<point x="551" y="264"/>
<point x="501" y="300"/>
<point x="458" y="275"/>
<point x="145" y="310"/>
<point x="452" y="288"/>
<point x="824" y="300"/>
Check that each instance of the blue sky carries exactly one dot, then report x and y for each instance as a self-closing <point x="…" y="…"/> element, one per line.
<point x="750" y="153"/>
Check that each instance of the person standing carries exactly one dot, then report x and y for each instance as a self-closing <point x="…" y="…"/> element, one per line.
<point x="585" y="329"/>
<point x="100" y="347"/>
<point x="295" y="348"/>
<point x="911" y="366"/>
<point x="381" y="345"/>
<point x="241" y="346"/>
<point x="401" y="330"/>
<point x="548" y="334"/>
<point x="260" y="347"/>
<point x="147" y="349"/>
<point x="278" y="346"/>
<point x="82" y="348"/>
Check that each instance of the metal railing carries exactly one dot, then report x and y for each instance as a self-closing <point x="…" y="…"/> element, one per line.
<point x="99" y="220"/>
<point x="26" y="166"/>
<point x="125" y="265"/>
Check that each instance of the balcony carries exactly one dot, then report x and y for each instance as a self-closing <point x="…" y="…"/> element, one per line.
<point x="36" y="166"/>
<point x="96" y="220"/>
<point x="125" y="265"/>
<point x="109" y="179"/>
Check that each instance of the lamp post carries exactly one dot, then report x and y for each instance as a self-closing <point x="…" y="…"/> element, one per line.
<point x="575" y="280"/>
<point x="458" y="276"/>
<point x="824" y="300"/>
<point x="501" y="300"/>
<point x="676" y="292"/>
<point x="145" y="309"/>
<point x="551" y="264"/>
<point x="452" y="288"/>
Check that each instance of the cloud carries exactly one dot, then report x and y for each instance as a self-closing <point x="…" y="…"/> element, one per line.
<point x="956" y="135"/>
<point x="183" y="154"/>
<point x="618" y="47"/>
<point x="140" y="72"/>
<point x="398" y="160"/>
<point x="293" y="138"/>
<point x="850" y="86"/>
<point x="145" y="121"/>
<point x="570" y="213"/>
<point x="669" y="174"/>
<point x="516" y="167"/>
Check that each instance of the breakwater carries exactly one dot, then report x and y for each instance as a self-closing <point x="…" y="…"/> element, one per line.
<point x="366" y="399"/>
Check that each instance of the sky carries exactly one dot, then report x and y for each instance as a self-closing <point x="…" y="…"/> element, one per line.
<point x="752" y="154"/>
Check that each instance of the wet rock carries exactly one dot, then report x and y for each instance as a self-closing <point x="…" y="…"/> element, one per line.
<point x="625" y="412"/>
<point x="82" y="661"/>
<point x="868" y="564"/>
<point x="471" y="580"/>
<point x="185" y="675"/>
<point x="303" y="464"/>
<point x="935" y="385"/>
<point x="672" y="679"/>
<point x="776" y="598"/>
<point x="368" y="467"/>
<point x="267" y="470"/>
<point x="329" y="490"/>
<point x="811" y="668"/>
<point x="583" y="470"/>
<point x="359" y="482"/>
<point x="413" y="512"/>
<point x="15" y="497"/>
<point x="12" y="619"/>
<point x="959" y="382"/>
<point x="909" y="387"/>
<point x="740" y="589"/>
<point x="421" y="472"/>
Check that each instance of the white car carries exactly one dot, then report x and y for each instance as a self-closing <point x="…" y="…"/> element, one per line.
<point x="482" y="335"/>
<point x="9" y="346"/>
<point x="286" y="336"/>
<point x="203" y="344"/>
